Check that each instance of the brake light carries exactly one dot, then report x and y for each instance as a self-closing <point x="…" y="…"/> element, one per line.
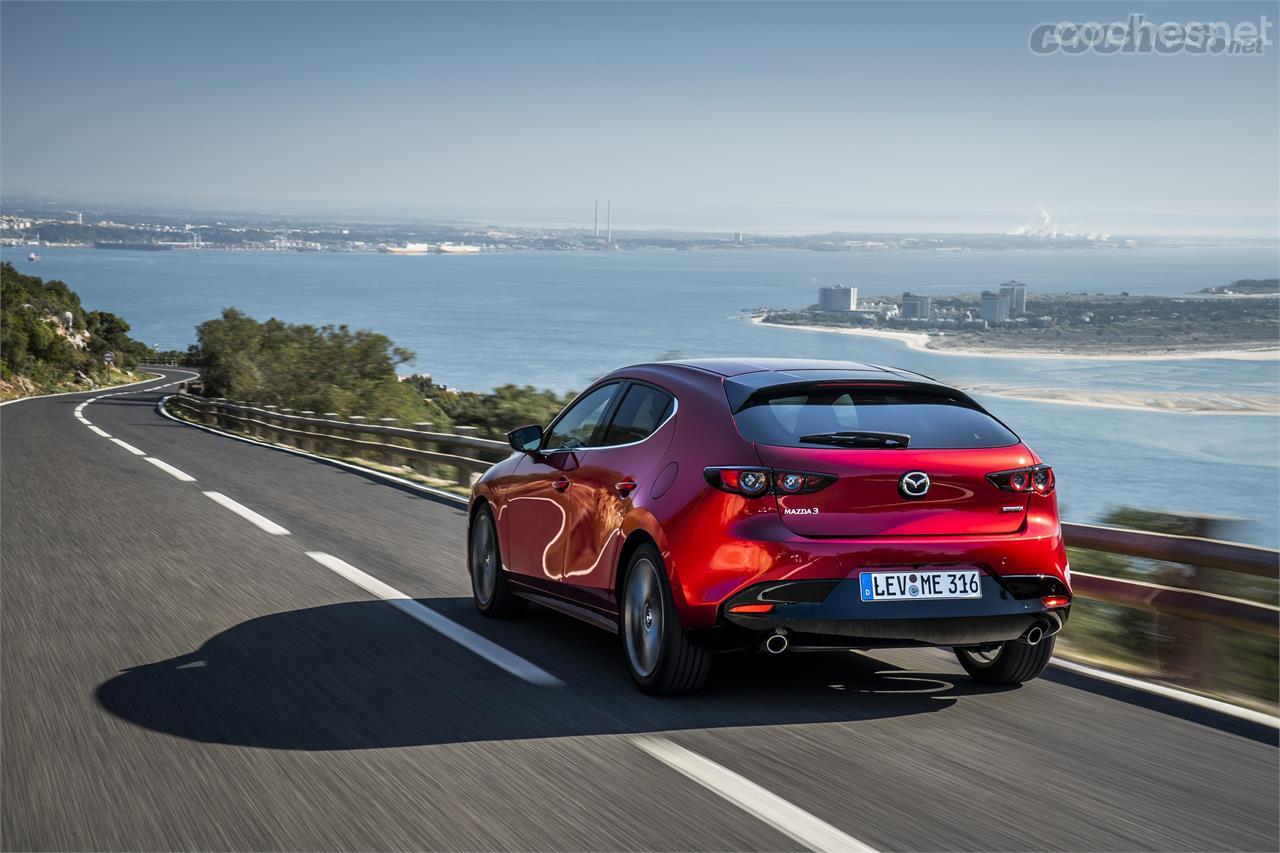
<point x="755" y="482"/>
<point x="1036" y="478"/>
<point x="1052" y="601"/>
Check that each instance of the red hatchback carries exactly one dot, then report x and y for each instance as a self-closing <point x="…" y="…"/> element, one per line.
<point x="788" y="505"/>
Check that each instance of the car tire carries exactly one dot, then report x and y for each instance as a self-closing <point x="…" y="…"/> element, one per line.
<point x="662" y="660"/>
<point x="489" y="588"/>
<point x="1012" y="662"/>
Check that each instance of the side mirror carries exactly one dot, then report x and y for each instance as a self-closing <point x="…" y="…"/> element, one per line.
<point x="525" y="439"/>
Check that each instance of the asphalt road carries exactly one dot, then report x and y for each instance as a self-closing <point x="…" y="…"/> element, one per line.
<point x="177" y="675"/>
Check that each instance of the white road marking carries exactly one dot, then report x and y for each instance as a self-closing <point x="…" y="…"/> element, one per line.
<point x="169" y="469"/>
<point x="82" y="419"/>
<point x="751" y="798"/>
<point x="465" y="637"/>
<point x="247" y="514"/>
<point x="1227" y="708"/>
<point x="127" y="446"/>
<point x="69" y="393"/>
<point x="100" y="431"/>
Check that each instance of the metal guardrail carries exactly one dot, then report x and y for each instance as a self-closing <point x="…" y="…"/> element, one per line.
<point x="1191" y="550"/>
<point x="465" y="455"/>
<point x="1189" y="602"/>
<point x="421" y="448"/>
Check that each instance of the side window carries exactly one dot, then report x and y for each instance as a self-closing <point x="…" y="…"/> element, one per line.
<point x="642" y="411"/>
<point x="580" y="421"/>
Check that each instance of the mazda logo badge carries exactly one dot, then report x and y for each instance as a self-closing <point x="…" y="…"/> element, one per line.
<point x="914" y="484"/>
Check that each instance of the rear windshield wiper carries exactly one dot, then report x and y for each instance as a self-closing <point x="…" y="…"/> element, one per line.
<point x="859" y="438"/>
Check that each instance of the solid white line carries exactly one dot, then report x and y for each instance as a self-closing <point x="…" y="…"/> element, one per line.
<point x="129" y="447"/>
<point x="247" y="514"/>
<point x="89" y="391"/>
<point x="465" y="637"/>
<point x="169" y="469"/>
<point x="751" y="798"/>
<point x="1205" y="702"/>
<point x="100" y="431"/>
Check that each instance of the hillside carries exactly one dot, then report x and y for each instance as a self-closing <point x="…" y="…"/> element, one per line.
<point x="49" y="342"/>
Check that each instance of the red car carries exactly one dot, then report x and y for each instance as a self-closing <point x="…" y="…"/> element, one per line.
<point x="783" y="504"/>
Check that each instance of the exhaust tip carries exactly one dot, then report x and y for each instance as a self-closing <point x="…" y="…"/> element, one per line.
<point x="776" y="644"/>
<point x="1034" y="635"/>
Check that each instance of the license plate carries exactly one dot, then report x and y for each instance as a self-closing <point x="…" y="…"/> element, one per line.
<point x="920" y="586"/>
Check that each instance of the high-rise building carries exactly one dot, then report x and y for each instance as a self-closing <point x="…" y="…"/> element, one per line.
<point x="1016" y="293"/>
<point x="914" y="307"/>
<point x="837" y="298"/>
<point x="995" y="307"/>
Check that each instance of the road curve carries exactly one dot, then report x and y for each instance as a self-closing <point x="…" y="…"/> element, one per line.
<point x="212" y="644"/>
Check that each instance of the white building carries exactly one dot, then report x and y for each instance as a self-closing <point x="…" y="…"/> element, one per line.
<point x="837" y="298"/>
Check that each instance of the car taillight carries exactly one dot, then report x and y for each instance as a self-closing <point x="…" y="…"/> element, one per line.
<point x="1035" y="478"/>
<point x="755" y="482"/>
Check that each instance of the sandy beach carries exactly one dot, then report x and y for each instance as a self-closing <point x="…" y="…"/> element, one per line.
<point x="1140" y="401"/>
<point x="921" y="341"/>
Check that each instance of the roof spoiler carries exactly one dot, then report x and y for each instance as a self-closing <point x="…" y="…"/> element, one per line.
<point x="740" y="389"/>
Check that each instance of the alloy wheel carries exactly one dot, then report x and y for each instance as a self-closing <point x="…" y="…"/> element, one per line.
<point x="484" y="560"/>
<point x="643" y="617"/>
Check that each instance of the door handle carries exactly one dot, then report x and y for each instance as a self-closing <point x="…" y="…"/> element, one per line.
<point x="560" y="484"/>
<point x="626" y="487"/>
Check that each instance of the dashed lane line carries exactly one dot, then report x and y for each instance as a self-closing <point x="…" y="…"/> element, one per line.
<point x="465" y="637"/>
<point x="100" y="431"/>
<point x="753" y="799"/>
<point x="468" y="639"/>
<point x="127" y="446"/>
<point x="176" y="473"/>
<point x="247" y="514"/>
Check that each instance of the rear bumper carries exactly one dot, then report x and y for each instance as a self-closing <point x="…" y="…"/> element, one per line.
<point x="713" y="563"/>
<point x="831" y="614"/>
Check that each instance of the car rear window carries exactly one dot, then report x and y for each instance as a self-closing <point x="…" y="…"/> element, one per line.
<point x="933" y="419"/>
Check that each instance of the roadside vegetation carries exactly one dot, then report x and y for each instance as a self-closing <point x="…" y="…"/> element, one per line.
<point x="50" y="343"/>
<point x="497" y="412"/>
<point x="334" y="369"/>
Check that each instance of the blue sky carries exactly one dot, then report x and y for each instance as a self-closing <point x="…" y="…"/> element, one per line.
<point x="756" y="116"/>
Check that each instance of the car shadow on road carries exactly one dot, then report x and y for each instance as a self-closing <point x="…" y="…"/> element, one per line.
<point x="362" y="675"/>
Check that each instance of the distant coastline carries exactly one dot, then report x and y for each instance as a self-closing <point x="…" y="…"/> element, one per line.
<point x="948" y="345"/>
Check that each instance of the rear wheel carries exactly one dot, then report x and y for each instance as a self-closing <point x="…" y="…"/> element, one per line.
<point x="661" y="659"/>
<point x="1012" y="662"/>
<point x="489" y="589"/>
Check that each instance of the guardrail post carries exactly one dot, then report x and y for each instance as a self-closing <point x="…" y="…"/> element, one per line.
<point x="358" y="420"/>
<point x="423" y="466"/>
<point x="390" y="457"/>
<point x="327" y="447"/>
<point x="268" y="432"/>
<point x="306" y="442"/>
<point x="1186" y="650"/>
<point x="209" y="412"/>
<point x="286" y="438"/>
<point x="467" y="477"/>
